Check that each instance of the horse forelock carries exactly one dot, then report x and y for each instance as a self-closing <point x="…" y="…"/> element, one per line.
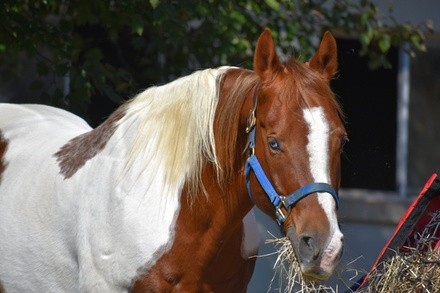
<point x="311" y="85"/>
<point x="175" y="128"/>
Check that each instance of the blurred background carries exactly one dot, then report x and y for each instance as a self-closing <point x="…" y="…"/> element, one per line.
<point x="90" y="56"/>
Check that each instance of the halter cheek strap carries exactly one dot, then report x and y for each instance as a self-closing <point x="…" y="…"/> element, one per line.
<point x="280" y="202"/>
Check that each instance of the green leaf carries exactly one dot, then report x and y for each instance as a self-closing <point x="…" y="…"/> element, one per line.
<point x="273" y="4"/>
<point x="138" y="25"/>
<point x="364" y="39"/>
<point x="139" y="30"/>
<point x="415" y="39"/>
<point x="154" y="3"/>
<point x="384" y="43"/>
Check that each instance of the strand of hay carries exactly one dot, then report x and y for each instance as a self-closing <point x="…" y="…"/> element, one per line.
<point x="288" y="270"/>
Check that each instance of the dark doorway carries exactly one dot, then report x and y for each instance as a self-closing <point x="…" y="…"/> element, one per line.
<point x="369" y="99"/>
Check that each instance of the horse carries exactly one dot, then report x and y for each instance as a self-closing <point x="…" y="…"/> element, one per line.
<point x="159" y="197"/>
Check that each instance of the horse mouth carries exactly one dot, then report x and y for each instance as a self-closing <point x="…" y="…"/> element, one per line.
<point x="315" y="275"/>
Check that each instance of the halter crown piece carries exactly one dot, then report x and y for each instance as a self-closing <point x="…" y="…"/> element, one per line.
<point x="279" y="201"/>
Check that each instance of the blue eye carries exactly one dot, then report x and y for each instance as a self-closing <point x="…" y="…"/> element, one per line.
<point x="274" y="145"/>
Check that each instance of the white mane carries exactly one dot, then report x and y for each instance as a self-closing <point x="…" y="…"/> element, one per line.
<point x="175" y="127"/>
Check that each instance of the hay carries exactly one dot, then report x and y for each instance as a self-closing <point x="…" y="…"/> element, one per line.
<point x="415" y="272"/>
<point x="414" y="268"/>
<point x="288" y="270"/>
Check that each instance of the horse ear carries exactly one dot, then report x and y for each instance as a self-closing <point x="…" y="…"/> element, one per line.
<point x="325" y="59"/>
<point x="265" y="58"/>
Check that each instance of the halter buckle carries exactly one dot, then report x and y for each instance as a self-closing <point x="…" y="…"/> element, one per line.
<point x="251" y="150"/>
<point x="280" y="214"/>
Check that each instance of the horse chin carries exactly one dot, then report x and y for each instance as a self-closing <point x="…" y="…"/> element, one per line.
<point x="315" y="275"/>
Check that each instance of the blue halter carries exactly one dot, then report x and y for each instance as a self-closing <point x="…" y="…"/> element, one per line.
<point x="277" y="200"/>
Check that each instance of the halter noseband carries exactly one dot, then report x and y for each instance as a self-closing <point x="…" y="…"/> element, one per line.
<point x="277" y="200"/>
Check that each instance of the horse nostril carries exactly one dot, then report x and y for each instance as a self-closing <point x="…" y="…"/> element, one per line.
<point x="308" y="249"/>
<point x="307" y="240"/>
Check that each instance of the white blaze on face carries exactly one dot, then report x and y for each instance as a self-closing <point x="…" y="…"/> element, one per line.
<point x="318" y="151"/>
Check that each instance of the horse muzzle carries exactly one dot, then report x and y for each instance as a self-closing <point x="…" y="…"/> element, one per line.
<point x="317" y="258"/>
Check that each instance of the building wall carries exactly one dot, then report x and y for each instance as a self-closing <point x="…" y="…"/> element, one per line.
<point x="412" y="11"/>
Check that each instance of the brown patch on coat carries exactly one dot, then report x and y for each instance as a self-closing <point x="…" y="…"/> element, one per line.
<point x="73" y="155"/>
<point x="3" y="147"/>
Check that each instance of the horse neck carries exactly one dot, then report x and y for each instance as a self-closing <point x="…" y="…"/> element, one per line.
<point x="228" y="195"/>
<point x="228" y="201"/>
<point x="208" y="229"/>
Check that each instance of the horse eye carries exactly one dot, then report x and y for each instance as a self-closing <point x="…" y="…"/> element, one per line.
<point x="274" y="145"/>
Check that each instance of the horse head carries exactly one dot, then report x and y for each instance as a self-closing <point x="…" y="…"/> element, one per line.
<point x="296" y="136"/>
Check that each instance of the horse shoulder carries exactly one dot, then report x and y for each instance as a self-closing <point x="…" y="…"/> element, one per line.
<point x="233" y="267"/>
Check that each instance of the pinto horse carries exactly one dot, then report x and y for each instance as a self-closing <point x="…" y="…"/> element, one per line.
<point x="158" y="198"/>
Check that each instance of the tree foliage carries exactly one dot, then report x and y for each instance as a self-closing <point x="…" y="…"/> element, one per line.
<point x="112" y="49"/>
